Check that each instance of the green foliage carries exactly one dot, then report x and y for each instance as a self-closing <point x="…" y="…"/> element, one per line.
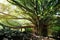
<point x="10" y="14"/>
<point x="41" y="12"/>
<point x="40" y="9"/>
<point x="58" y="22"/>
<point x="55" y="28"/>
<point x="10" y="23"/>
<point x="28" y="29"/>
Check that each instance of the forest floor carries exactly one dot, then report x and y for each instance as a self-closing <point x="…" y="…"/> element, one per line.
<point x="40" y="39"/>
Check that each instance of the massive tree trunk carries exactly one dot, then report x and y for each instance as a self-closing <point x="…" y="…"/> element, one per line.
<point x="42" y="30"/>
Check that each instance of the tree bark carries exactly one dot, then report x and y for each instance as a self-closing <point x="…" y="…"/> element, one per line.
<point x="44" y="30"/>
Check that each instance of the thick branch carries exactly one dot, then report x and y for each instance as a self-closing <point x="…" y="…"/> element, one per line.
<point x="17" y="26"/>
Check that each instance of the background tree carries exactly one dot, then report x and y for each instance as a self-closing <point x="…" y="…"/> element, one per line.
<point x="41" y="12"/>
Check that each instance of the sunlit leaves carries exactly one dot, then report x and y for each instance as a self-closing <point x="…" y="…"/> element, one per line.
<point x="10" y="22"/>
<point x="8" y="13"/>
<point x="39" y="8"/>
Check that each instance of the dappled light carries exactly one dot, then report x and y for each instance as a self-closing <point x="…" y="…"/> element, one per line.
<point x="29" y="19"/>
